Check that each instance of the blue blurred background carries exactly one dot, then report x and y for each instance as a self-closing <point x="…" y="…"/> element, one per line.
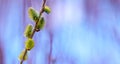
<point x="76" y="32"/>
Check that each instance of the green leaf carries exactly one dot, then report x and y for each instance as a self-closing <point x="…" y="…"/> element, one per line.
<point x="33" y="15"/>
<point x="41" y="24"/>
<point x="47" y="9"/>
<point x="28" y="31"/>
<point x="22" y="54"/>
<point x="29" y="44"/>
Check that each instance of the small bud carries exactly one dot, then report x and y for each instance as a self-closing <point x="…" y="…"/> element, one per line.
<point x="41" y="23"/>
<point x="28" y="31"/>
<point x="29" y="44"/>
<point x="33" y="15"/>
<point x="47" y="9"/>
<point x="21" y="55"/>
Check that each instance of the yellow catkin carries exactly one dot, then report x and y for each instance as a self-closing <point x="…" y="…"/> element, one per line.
<point x="28" y="31"/>
<point x="33" y="14"/>
<point x="29" y="44"/>
<point x="47" y="9"/>
<point x="41" y="24"/>
<point x="21" y="56"/>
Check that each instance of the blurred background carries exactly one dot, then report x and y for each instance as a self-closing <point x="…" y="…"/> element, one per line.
<point x="76" y="32"/>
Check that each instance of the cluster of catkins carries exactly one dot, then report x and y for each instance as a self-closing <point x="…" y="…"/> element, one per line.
<point x="34" y="16"/>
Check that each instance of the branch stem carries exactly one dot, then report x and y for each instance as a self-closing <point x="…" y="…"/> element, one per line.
<point x="34" y="30"/>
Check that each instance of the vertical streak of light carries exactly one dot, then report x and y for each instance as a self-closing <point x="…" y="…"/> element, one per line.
<point x="3" y="12"/>
<point x="1" y="53"/>
<point x="51" y="45"/>
<point x="24" y="18"/>
<point x="50" y="32"/>
<point x="116" y="35"/>
<point x="115" y="6"/>
<point x="91" y="8"/>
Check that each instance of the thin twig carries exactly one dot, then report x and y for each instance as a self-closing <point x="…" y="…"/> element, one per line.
<point x="34" y="30"/>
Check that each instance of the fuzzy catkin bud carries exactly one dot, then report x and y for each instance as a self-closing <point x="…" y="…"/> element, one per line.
<point x="47" y="9"/>
<point x="41" y="23"/>
<point x="28" y="31"/>
<point x="22" y="54"/>
<point x="29" y="44"/>
<point x="33" y="15"/>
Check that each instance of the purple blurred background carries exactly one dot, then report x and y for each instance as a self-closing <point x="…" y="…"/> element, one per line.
<point x="76" y="32"/>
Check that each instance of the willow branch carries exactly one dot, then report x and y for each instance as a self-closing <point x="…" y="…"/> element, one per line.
<point x="34" y="30"/>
